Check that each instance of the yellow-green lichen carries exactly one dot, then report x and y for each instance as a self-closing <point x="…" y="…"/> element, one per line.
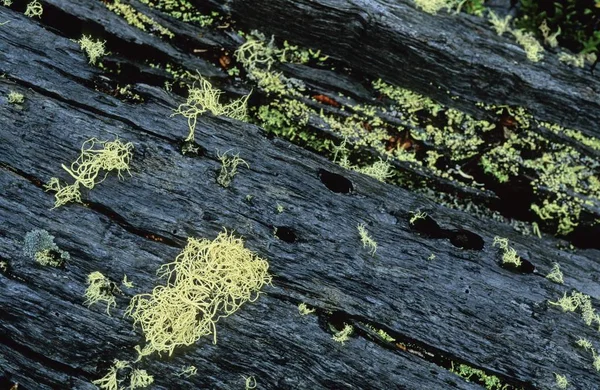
<point x="556" y="274"/>
<point x="561" y="381"/>
<point x="110" y="381"/>
<point x="366" y="239"/>
<point x="343" y="335"/>
<point x="509" y="255"/>
<point x="100" y="289"/>
<point x="34" y="8"/>
<point x="491" y="382"/>
<point x="96" y="156"/>
<point x="15" y="98"/>
<point x="205" y="98"/>
<point x="229" y="165"/>
<point x="304" y="309"/>
<point x="93" y="49"/>
<point x="137" y="18"/>
<point x="208" y="280"/>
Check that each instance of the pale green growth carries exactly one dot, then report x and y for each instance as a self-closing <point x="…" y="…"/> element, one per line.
<point x="577" y="60"/>
<point x="188" y="371"/>
<point x="433" y="6"/>
<point x="381" y="333"/>
<point x="491" y="382"/>
<point x="566" y="303"/>
<point x="140" y="379"/>
<point x="100" y="289"/>
<point x="7" y="3"/>
<point x="3" y="266"/>
<point x="536" y="229"/>
<point x="208" y="280"/>
<point x="596" y="362"/>
<point x="380" y="170"/>
<point x="343" y="335"/>
<point x="137" y="19"/>
<point x="126" y="282"/>
<point x="431" y="257"/>
<point x="205" y="98"/>
<point x="567" y="214"/>
<point x="110" y="380"/>
<point x="556" y="274"/>
<point x="561" y="381"/>
<point x="580" y="301"/>
<point x="500" y="25"/>
<point x="304" y="309"/>
<point x="416" y="216"/>
<point x="15" y="98"/>
<point x="549" y="38"/>
<point x="250" y="382"/>
<point x="510" y="254"/>
<point x="182" y="10"/>
<point x="95" y="156"/>
<point x="93" y="49"/>
<point x="533" y="48"/>
<point x="229" y="166"/>
<point x="39" y="245"/>
<point x="366" y="239"/>
<point x="280" y="208"/>
<point x="34" y="8"/>
<point x="585" y="344"/>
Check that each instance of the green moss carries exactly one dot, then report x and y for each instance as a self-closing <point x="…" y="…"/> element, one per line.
<point x="183" y="10"/>
<point x="468" y="373"/>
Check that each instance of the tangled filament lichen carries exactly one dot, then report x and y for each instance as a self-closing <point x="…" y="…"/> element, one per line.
<point x="95" y="156"/>
<point x="206" y="98"/>
<point x="93" y="49"/>
<point x="100" y="289"/>
<point x="110" y="380"/>
<point x="229" y="166"/>
<point x="366" y="239"/>
<point x="343" y="335"/>
<point x="207" y="281"/>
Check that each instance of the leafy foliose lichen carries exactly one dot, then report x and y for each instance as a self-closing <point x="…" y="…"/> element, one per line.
<point x="39" y="245"/>
<point x="207" y="281"/>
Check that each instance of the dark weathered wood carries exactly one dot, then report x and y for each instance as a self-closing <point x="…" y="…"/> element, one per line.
<point x="395" y="41"/>
<point x="462" y="306"/>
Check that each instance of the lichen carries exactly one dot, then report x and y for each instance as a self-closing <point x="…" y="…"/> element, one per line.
<point x="100" y="289"/>
<point x="39" y="245"/>
<point x="205" y="98"/>
<point x="366" y="239"/>
<point x="556" y="274"/>
<point x="34" y="9"/>
<point x="304" y="309"/>
<point x="96" y="156"/>
<point x="229" y="165"/>
<point x="207" y="281"/>
<point x="343" y="335"/>
<point x="93" y="49"/>
<point x="137" y="19"/>
<point x="509" y="255"/>
<point x="15" y="98"/>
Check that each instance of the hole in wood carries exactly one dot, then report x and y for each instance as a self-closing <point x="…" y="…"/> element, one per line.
<point x="335" y="183"/>
<point x="286" y="234"/>
<point x="465" y="239"/>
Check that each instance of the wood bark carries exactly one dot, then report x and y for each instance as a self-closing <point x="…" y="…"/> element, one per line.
<point x="461" y="307"/>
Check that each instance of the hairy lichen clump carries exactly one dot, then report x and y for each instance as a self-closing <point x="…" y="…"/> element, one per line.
<point x="95" y="156"/>
<point x="207" y="281"/>
<point x="304" y="309"/>
<point x="491" y="382"/>
<point x="556" y="274"/>
<point x="39" y="245"/>
<point x="205" y="98"/>
<point x="110" y="381"/>
<point x="100" y="289"/>
<point x="343" y="335"/>
<point x="229" y="166"/>
<point x="509" y="256"/>
<point x="366" y="239"/>
<point x="34" y="8"/>
<point x="15" y="98"/>
<point x="582" y="302"/>
<point x="93" y="49"/>
<point x="182" y="10"/>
